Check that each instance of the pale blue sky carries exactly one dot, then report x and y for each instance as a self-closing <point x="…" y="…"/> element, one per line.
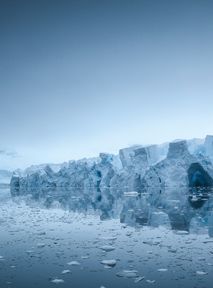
<point x="81" y="77"/>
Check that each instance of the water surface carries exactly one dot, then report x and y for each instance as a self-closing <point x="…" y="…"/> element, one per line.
<point x="150" y="241"/>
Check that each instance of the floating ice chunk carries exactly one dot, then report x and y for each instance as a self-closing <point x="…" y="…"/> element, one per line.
<point x="40" y="245"/>
<point x="84" y="257"/>
<point x="128" y="273"/>
<point x="65" y="271"/>
<point x="150" y="281"/>
<point x="1" y="258"/>
<point x="162" y="270"/>
<point x="57" y="281"/>
<point x="109" y="238"/>
<point x="201" y="273"/>
<point x="107" y="248"/>
<point x="29" y="251"/>
<point x="110" y="263"/>
<point x="138" y="279"/>
<point x="182" y="232"/>
<point x="131" y="194"/>
<point x="73" y="263"/>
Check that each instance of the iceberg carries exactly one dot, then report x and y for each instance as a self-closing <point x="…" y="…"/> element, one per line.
<point x="181" y="163"/>
<point x="180" y="168"/>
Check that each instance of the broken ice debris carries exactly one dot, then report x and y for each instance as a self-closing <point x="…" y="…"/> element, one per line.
<point x="40" y="245"/>
<point x="108" y="238"/>
<point x="201" y="273"/>
<point x="150" y="281"/>
<point x="57" y="281"/>
<point x="128" y="273"/>
<point x="131" y="194"/>
<point x="65" y="271"/>
<point x="73" y="263"/>
<point x="110" y="263"/>
<point x="138" y="279"/>
<point x="162" y="270"/>
<point x="182" y="232"/>
<point x="107" y="248"/>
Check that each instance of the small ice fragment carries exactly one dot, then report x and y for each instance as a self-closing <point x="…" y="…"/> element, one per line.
<point x="65" y="271"/>
<point x="57" y="281"/>
<point x="201" y="273"/>
<point x="109" y="238"/>
<point x="172" y="250"/>
<point x="162" y="270"/>
<point x="73" y="263"/>
<point x="131" y="194"/>
<point x="138" y="279"/>
<point x="128" y="273"/>
<point x="40" y="245"/>
<point x="182" y="232"/>
<point x="110" y="263"/>
<point x="85" y="257"/>
<point x="29" y="251"/>
<point x="150" y="281"/>
<point x="107" y="248"/>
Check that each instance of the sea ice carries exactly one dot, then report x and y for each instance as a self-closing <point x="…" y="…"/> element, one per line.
<point x="107" y="248"/>
<point x="110" y="263"/>
<point x="73" y="263"/>
<point x="57" y="281"/>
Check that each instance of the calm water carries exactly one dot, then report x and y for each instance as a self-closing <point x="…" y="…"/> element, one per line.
<point x="156" y="239"/>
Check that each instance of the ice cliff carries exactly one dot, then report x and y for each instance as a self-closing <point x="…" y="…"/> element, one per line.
<point x="176" y="164"/>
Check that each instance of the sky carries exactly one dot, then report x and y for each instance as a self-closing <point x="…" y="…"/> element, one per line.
<point x="80" y="77"/>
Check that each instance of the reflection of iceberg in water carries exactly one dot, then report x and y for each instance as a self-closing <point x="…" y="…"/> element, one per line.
<point x="173" y="184"/>
<point x="178" y="209"/>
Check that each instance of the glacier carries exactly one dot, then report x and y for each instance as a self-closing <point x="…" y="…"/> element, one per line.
<point x="181" y="163"/>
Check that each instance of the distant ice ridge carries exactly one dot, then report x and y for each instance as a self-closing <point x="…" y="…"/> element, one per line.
<point x="179" y="163"/>
<point x="5" y="176"/>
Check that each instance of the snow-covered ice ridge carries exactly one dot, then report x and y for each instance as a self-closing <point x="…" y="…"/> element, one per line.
<point x="175" y="164"/>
